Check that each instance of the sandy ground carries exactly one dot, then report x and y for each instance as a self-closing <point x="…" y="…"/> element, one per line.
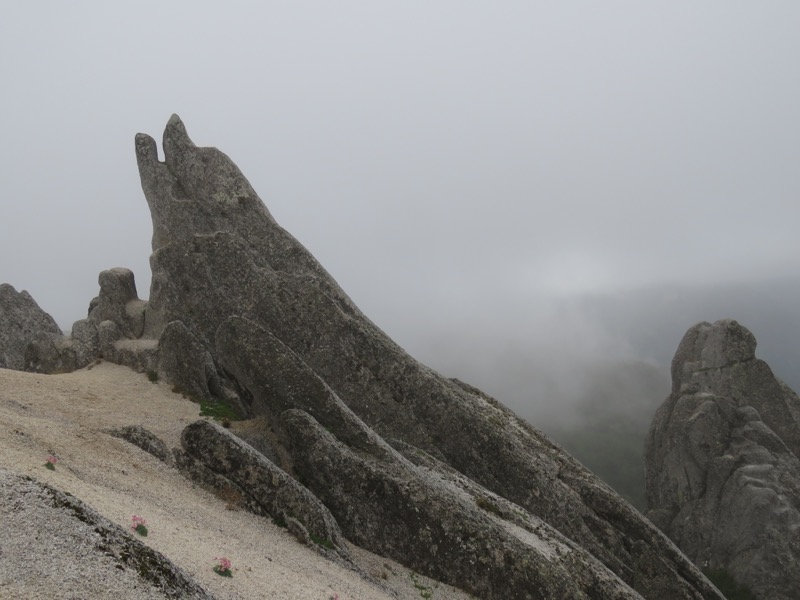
<point x="68" y="415"/>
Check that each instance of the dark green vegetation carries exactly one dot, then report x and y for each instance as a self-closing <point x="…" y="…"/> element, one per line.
<point x="726" y="584"/>
<point x="610" y="425"/>
<point x="218" y="410"/>
<point x="614" y="451"/>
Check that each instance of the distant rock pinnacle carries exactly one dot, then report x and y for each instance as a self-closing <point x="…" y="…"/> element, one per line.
<point x="722" y="469"/>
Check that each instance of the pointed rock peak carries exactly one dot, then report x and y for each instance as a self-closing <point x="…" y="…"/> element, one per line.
<point x="713" y="346"/>
<point x="176" y="121"/>
<point x="176" y="141"/>
<point x="146" y="153"/>
<point x="196" y="190"/>
<point x="721" y="461"/>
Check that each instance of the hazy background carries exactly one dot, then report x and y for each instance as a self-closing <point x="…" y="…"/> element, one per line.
<point x="536" y="197"/>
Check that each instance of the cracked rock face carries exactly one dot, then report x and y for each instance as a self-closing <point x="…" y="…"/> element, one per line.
<point x="721" y="462"/>
<point x="338" y="396"/>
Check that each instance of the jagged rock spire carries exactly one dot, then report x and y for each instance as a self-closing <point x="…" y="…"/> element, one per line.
<point x="721" y="462"/>
<point x="261" y="309"/>
<point x="195" y="191"/>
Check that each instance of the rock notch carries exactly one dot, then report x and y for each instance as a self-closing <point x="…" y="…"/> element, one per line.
<point x="722" y="469"/>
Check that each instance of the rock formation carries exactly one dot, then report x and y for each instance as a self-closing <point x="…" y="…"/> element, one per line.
<point x="335" y="389"/>
<point x="30" y="339"/>
<point x="722" y="469"/>
<point x="144" y="439"/>
<point x="24" y="327"/>
<point x="388" y="453"/>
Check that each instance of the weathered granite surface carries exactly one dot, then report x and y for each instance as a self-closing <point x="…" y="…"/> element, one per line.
<point x="234" y="278"/>
<point x="271" y="488"/>
<point x="411" y="465"/>
<point x="722" y="468"/>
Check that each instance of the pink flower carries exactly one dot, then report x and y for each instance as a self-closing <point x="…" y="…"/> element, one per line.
<point x="52" y="459"/>
<point x="137" y="520"/>
<point x="139" y="525"/>
<point x="224" y="567"/>
<point x="224" y="563"/>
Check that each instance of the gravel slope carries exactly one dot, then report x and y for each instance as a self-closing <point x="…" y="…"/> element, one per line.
<point x="46" y="553"/>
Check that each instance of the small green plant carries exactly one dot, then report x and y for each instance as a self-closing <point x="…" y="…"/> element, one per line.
<point x="320" y="541"/>
<point x="725" y="583"/>
<point x="51" y="463"/>
<point x="217" y="410"/>
<point x="152" y="375"/>
<point x="139" y="525"/>
<point x="424" y="591"/>
<point x="223" y="567"/>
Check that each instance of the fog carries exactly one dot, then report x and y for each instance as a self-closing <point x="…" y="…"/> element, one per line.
<point x="511" y="190"/>
<point x="609" y="349"/>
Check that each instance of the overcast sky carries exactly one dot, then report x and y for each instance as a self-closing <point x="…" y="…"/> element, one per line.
<point x="447" y="161"/>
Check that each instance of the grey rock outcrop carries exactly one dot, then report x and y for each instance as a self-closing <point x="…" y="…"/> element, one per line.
<point x="185" y="363"/>
<point x="65" y="537"/>
<point x="24" y="329"/>
<point x="388" y="505"/>
<point x="144" y="439"/>
<point x="119" y="302"/>
<point x="30" y="339"/>
<point x="85" y="342"/>
<point x="722" y="469"/>
<point x="266" y="485"/>
<point x="115" y="325"/>
<point x="333" y="387"/>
